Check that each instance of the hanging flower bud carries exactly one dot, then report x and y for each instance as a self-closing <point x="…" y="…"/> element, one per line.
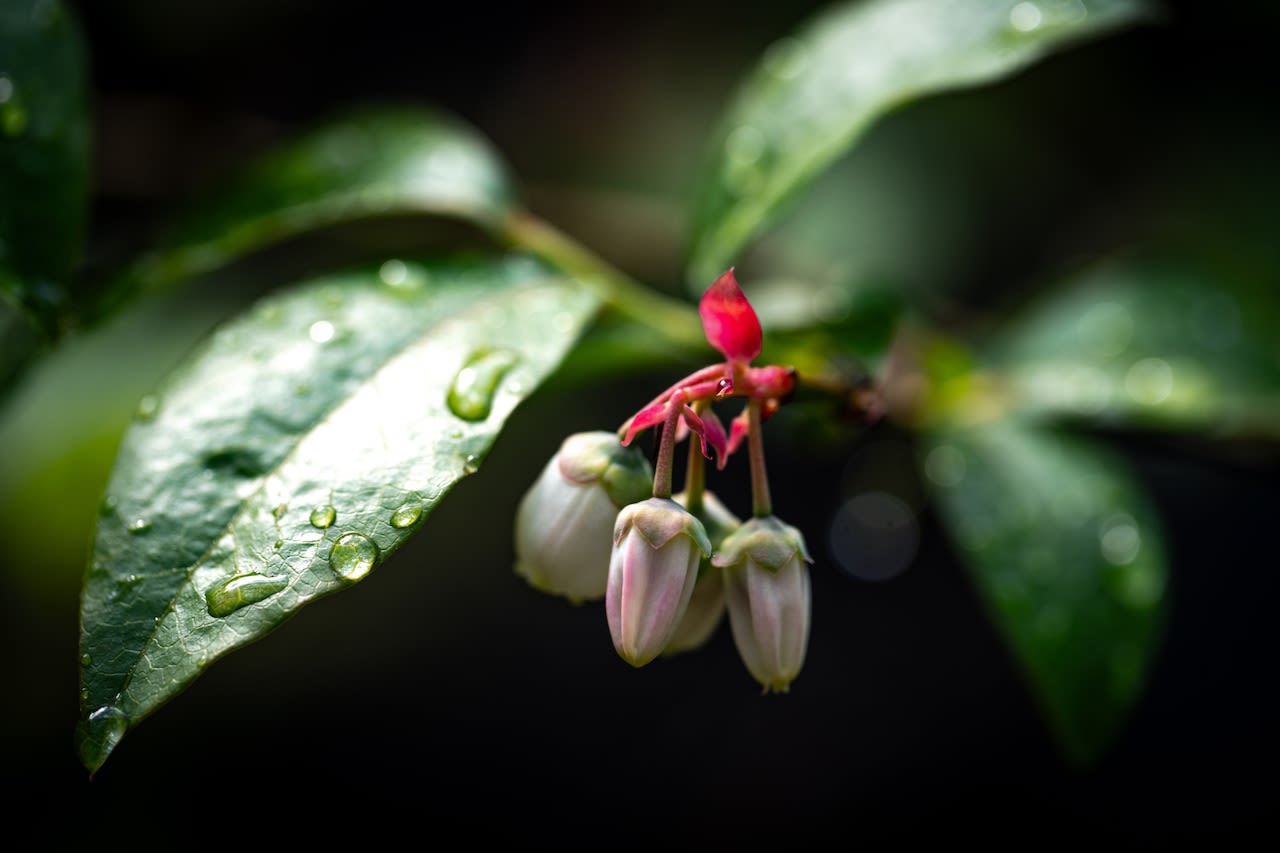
<point x="657" y="545"/>
<point x="565" y="521"/>
<point x="768" y="596"/>
<point x="706" y="605"/>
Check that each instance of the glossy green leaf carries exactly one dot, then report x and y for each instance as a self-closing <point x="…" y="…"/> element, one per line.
<point x="369" y="164"/>
<point x="1065" y="549"/>
<point x="44" y="131"/>
<point x="816" y="92"/>
<point x="1154" y="344"/>
<point x="292" y="454"/>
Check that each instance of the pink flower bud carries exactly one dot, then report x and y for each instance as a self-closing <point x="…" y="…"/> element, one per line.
<point x="564" y="525"/>
<point x="768" y="595"/>
<point x="657" y="546"/>
<point x="706" y="605"/>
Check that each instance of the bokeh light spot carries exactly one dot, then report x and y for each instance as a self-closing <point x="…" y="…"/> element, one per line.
<point x="1149" y="381"/>
<point x="874" y="536"/>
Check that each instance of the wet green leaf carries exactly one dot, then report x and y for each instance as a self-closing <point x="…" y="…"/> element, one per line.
<point x="292" y="454"/>
<point x="1160" y="344"/>
<point x="373" y="163"/>
<point x="1065" y="549"/>
<point x="44" y="131"/>
<point x="816" y="92"/>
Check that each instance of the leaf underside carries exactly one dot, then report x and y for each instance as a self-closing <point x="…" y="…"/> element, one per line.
<point x="292" y="454"/>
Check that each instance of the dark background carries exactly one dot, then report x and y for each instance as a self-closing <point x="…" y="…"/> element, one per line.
<point x="443" y="693"/>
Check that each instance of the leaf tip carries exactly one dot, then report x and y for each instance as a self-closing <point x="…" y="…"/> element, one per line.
<point x="98" y="734"/>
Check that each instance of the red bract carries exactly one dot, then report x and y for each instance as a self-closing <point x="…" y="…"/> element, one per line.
<point x="733" y="328"/>
<point x="729" y="320"/>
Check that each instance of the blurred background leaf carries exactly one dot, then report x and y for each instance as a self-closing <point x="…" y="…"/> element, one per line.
<point x="367" y="165"/>
<point x="1066" y="550"/>
<point x="815" y="92"/>
<point x="1162" y="343"/>
<point x="44" y="158"/>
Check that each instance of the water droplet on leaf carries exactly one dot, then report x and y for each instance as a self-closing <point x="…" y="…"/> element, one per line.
<point x="139" y="525"/>
<point x="1025" y="17"/>
<point x="471" y="393"/>
<point x="1119" y="539"/>
<point x="471" y="464"/>
<point x="353" y="557"/>
<point x="323" y="516"/>
<point x="148" y="407"/>
<point x="105" y="726"/>
<point x="1149" y="381"/>
<point x="406" y="516"/>
<point x="786" y="58"/>
<point x="228" y="596"/>
<point x="393" y="272"/>
<point x="86" y="659"/>
<point x="279" y="511"/>
<point x="321" y="331"/>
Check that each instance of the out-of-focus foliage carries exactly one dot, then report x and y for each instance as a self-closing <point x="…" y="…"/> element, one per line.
<point x="816" y="92"/>
<point x="1065" y="547"/>
<point x="1149" y="343"/>
<point x="44" y="137"/>
<point x="371" y="164"/>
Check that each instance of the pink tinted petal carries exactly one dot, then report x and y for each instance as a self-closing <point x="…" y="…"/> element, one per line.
<point x="650" y="415"/>
<point x="692" y="423"/>
<point x="691" y="381"/>
<point x="729" y="320"/>
<point x="713" y="434"/>
<point x="709" y="429"/>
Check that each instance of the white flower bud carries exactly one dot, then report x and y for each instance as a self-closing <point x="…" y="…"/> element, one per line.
<point x="768" y="595"/>
<point x="564" y="525"/>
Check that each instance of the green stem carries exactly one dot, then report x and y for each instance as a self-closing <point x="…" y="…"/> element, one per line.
<point x="667" y="449"/>
<point x="695" y="471"/>
<point x="668" y="317"/>
<point x="761" y="503"/>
